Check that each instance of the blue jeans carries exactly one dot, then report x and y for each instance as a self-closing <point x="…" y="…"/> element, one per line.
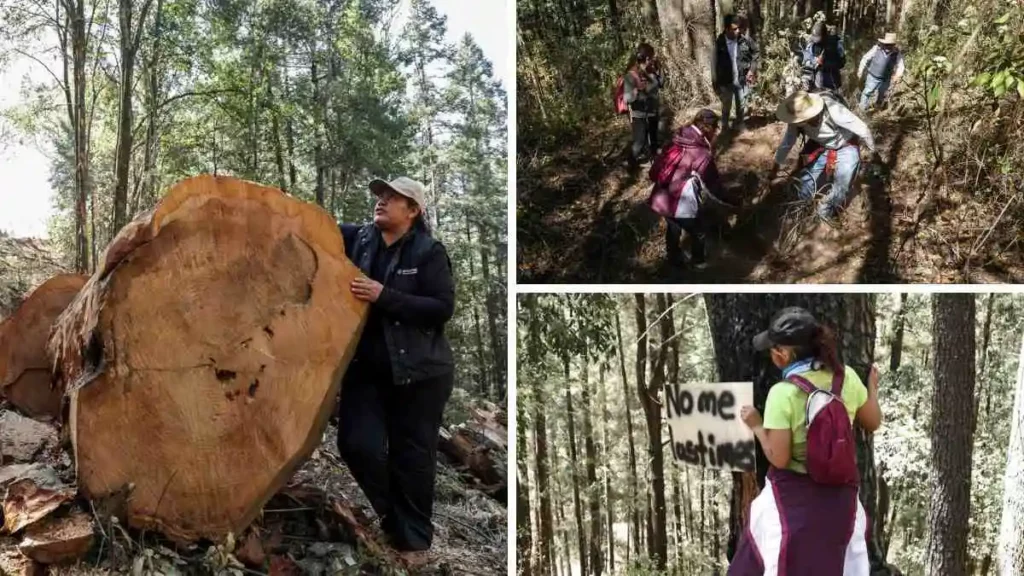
<point x="730" y="94"/>
<point x="871" y="86"/>
<point x="847" y="164"/>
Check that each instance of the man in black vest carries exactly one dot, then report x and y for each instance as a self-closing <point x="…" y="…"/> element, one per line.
<point x="402" y="374"/>
<point x="884" y="65"/>
<point x="733" y="69"/>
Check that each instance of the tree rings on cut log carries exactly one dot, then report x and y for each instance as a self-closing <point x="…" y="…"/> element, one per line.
<point x="203" y="358"/>
<point x="24" y="365"/>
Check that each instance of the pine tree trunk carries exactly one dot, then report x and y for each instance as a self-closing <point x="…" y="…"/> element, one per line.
<point x="592" y="489"/>
<point x="608" y="496"/>
<point x="650" y="400"/>
<point x="573" y="459"/>
<point x="498" y="356"/>
<point x="543" y="564"/>
<point x="688" y="33"/>
<point x="524" y="528"/>
<point x="633" y="478"/>
<point x="952" y="433"/>
<point x="1011" y="528"/>
<point x="896" y="354"/>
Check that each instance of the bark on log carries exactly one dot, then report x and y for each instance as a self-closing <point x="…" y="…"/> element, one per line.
<point x="24" y="365"/>
<point x="202" y="359"/>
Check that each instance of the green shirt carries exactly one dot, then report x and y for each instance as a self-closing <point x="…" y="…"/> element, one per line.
<point x="787" y="403"/>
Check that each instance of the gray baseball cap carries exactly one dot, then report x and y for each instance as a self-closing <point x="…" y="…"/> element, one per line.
<point x="404" y="186"/>
<point x="792" y="326"/>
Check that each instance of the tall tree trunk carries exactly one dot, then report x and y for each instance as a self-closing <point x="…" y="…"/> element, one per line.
<point x="543" y="565"/>
<point x="318" y="157"/>
<point x="1011" y="527"/>
<point x="651" y="402"/>
<point x="633" y="479"/>
<point x="289" y="135"/>
<point x="79" y="47"/>
<point x="129" y="46"/>
<point x="896" y="355"/>
<point x="952" y="433"/>
<point x="275" y="134"/>
<point x="592" y="490"/>
<point x="608" y="496"/>
<point x="151" y="178"/>
<point x="481" y="362"/>
<point x="573" y="459"/>
<point x="498" y="356"/>
<point x="688" y="32"/>
<point x="677" y="512"/>
<point x="524" y="528"/>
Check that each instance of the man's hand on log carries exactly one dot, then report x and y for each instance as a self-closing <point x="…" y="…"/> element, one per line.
<point x="366" y="289"/>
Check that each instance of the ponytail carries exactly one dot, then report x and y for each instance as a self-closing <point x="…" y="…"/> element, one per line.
<point x="825" y="348"/>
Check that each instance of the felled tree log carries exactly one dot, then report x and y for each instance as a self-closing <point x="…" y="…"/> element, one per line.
<point x="479" y="457"/>
<point x="202" y="359"/>
<point x="24" y="365"/>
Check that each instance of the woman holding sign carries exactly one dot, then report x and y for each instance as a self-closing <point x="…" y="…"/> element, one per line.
<point x="808" y="519"/>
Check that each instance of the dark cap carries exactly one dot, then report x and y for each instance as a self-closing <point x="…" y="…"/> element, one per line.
<point x="791" y="327"/>
<point x="819" y="31"/>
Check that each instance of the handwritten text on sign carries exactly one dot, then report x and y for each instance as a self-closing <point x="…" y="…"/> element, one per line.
<point x="706" y="426"/>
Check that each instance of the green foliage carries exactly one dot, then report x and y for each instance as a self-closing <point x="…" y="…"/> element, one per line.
<point x="1000" y="66"/>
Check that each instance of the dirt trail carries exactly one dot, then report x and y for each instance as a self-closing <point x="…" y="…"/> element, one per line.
<point x="582" y="218"/>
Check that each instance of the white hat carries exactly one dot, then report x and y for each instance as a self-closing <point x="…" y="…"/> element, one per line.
<point x="404" y="186"/>
<point x="800" y="107"/>
<point x="890" y="38"/>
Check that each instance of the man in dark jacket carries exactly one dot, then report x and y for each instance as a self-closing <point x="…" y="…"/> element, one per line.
<point x="733" y="69"/>
<point x="402" y="374"/>
<point x="823" y="59"/>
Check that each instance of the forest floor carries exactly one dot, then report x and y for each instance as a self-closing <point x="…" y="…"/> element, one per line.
<point x="584" y="201"/>
<point x="299" y="534"/>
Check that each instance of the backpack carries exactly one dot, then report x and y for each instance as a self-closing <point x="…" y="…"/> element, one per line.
<point x="619" y="94"/>
<point x="831" y="448"/>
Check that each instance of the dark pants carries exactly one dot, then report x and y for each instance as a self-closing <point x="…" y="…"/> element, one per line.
<point x="674" y="232"/>
<point x="387" y="436"/>
<point x="645" y="133"/>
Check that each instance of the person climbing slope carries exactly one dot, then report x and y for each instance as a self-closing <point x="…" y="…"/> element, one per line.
<point x="885" y="67"/>
<point x="808" y="518"/>
<point x="641" y="84"/>
<point x="733" y="69"/>
<point x="834" y="134"/>
<point x="681" y="173"/>
<point x="823" y="60"/>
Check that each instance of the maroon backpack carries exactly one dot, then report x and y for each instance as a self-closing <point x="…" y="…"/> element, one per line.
<point x="831" y="448"/>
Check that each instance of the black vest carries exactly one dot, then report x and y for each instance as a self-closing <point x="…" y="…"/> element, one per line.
<point x="416" y="352"/>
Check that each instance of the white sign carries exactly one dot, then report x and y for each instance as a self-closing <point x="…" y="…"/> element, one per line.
<point x="706" y="428"/>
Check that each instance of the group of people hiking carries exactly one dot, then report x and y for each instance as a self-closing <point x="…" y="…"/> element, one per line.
<point x="684" y="172"/>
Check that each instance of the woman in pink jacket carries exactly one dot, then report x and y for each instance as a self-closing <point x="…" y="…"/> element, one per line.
<point x="680" y="174"/>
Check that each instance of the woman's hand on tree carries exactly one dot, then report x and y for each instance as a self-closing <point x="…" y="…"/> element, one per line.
<point x="366" y="289"/>
<point x="750" y="416"/>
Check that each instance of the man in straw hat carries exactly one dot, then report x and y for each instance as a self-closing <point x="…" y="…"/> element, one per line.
<point x="833" y="136"/>
<point x="884" y="65"/>
<point x="402" y="373"/>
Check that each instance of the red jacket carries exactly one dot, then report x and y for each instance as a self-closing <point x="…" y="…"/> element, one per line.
<point x="689" y="153"/>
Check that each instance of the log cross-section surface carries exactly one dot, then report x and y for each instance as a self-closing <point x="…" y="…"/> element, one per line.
<point x="24" y="365"/>
<point x="202" y="359"/>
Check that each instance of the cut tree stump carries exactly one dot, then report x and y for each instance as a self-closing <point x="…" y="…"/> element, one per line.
<point x="24" y="365"/>
<point x="58" y="540"/>
<point x="201" y="361"/>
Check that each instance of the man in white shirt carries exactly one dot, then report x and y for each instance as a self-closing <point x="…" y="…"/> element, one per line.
<point x="834" y="135"/>
<point x="885" y="67"/>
